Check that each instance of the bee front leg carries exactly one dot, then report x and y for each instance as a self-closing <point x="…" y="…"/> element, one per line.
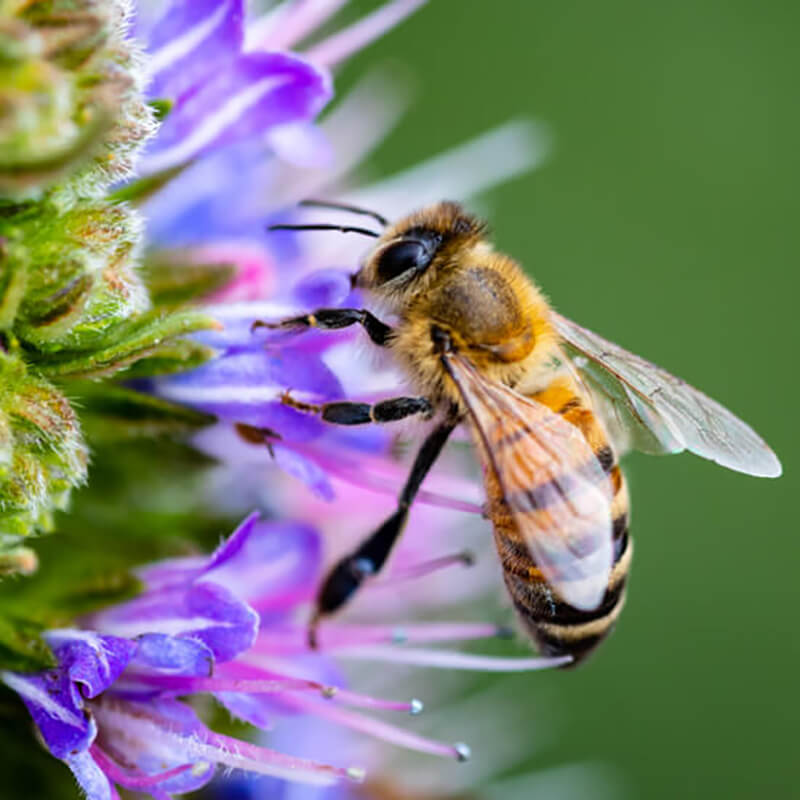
<point x="331" y="319"/>
<point x="349" y="413"/>
<point x="349" y="573"/>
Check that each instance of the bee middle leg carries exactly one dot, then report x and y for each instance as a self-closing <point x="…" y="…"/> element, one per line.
<point x="349" y="573"/>
<point x="350" y="413"/>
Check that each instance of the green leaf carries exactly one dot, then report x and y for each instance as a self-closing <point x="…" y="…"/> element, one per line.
<point x="177" y="355"/>
<point x="127" y="343"/>
<point x="138" y="191"/>
<point x="161" y="107"/>
<point x="175" y="277"/>
<point x="112" y="413"/>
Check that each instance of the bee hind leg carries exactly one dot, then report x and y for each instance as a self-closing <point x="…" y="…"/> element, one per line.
<point x="344" y="580"/>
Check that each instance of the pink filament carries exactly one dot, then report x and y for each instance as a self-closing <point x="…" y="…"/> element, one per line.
<point x="449" y="659"/>
<point x="237" y="747"/>
<point x="128" y="779"/>
<point x="141" y="729"/>
<point x="290" y="638"/>
<point x="256" y="675"/>
<point x="377" y="728"/>
<point x="355" y="474"/>
<point x="219" y="684"/>
<point x="414" y="571"/>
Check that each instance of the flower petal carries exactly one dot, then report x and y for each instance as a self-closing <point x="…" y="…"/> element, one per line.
<point x="165" y="734"/>
<point x="155" y="737"/>
<point x="202" y="611"/>
<point x="90" y="776"/>
<point x="324" y="288"/>
<point x="305" y="470"/>
<point x="279" y="559"/>
<point x="90" y="659"/>
<point x="184" y="570"/>
<point x="190" y="41"/>
<point x="172" y="655"/>
<point x="248" y="97"/>
<point x="246" y="387"/>
<point x="56" y="708"/>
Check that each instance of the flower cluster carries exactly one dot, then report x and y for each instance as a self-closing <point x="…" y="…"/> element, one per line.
<point x="223" y="625"/>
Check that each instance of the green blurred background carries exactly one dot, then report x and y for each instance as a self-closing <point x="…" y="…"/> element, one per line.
<point x="665" y="219"/>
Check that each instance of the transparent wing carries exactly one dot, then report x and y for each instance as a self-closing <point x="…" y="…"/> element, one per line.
<point x="554" y="486"/>
<point x="661" y="413"/>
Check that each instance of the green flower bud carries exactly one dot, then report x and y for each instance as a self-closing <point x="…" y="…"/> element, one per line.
<point x="81" y="276"/>
<point x="42" y="454"/>
<point x="70" y="97"/>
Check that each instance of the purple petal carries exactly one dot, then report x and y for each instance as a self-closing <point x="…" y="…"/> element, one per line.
<point x="156" y="736"/>
<point x="172" y="655"/>
<point x="257" y="709"/>
<point x="90" y="659"/>
<point x="322" y="289"/>
<point x="88" y="662"/>
<point x="184" y="570"/>
<point x="205" y="201"/>
<point x="301" y="144"/>
<point x="159" y="735"/>
<point x="203" y="611"/>
<point x="231" y="625"/>
<point x="90" y="776"/>
<point x="248" y="97"/>
<point x="238" y="386"/>
<point x="57" y="709"/>
<point x="190" y="41"/>
<point x="279" y="559"/>
<point x="305" y="470"/>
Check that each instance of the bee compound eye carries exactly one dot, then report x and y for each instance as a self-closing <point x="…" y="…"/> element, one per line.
<point x="402" y="257"/>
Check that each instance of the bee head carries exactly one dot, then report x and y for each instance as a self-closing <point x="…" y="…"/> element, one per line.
<point x="410" y="250"/>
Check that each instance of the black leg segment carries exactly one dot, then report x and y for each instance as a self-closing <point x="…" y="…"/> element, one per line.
<point x="345" y="578"/>
<point x="349" y="413"/>
<point x="386" y="411"/>
<point x="330" y="319"/>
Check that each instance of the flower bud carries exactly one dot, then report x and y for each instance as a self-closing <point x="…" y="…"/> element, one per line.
<point x="81" y="276"/>
<point x="42" y="454"/>
<point x="70" y="100"/>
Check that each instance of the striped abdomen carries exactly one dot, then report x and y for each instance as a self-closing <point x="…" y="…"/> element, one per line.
<point x="558" y="628"/>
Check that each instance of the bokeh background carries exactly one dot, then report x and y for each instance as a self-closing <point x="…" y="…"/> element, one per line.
<point x="665" y="219"/>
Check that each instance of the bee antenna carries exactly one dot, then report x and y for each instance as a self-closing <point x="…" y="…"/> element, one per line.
<point x="311" y="203"/>
<point x="324" y="227"/>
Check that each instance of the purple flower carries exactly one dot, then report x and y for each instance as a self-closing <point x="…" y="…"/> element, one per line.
<point x="228" y="79"/>
<point x="225" y="625"/>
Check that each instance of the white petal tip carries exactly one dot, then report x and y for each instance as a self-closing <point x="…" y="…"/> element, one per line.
<point x="416" y="707"/>
<point x="463" y="752"/>
<point x="399" y="636"/>
<point x="356" y="774"/>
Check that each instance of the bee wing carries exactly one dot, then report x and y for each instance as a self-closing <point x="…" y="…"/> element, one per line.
<point x="554" y="486"/>
<point x="662" y="413"/>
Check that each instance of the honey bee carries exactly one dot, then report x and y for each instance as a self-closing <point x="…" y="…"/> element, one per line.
<point x="551" y="407"/>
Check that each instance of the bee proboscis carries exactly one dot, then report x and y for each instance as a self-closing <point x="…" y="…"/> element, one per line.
<point x="551" y="407"/>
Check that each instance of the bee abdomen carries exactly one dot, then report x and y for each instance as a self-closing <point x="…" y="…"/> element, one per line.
<point x="557" y="627"/>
